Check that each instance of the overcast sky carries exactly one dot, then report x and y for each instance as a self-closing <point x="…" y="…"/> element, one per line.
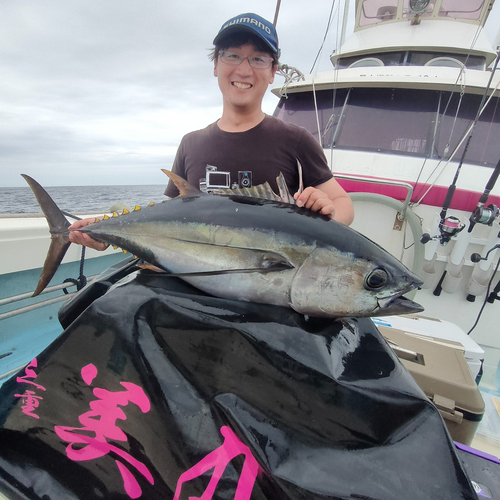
<point x="102" y="91"/>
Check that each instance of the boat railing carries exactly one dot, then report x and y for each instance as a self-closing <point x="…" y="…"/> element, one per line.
<point x="39" y="304"/>
<point x="401" y="215"/>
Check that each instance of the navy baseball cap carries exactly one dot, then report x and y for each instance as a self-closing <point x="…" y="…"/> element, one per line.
<point x="254" y="24"/>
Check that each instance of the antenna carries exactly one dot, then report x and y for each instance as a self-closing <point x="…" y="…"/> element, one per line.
<point x="278" y="3"/>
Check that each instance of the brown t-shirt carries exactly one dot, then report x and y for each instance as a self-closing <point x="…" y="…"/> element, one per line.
<point x="265" y="150"/>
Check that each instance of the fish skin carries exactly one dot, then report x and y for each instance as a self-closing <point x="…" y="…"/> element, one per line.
<point x="302" y="259"/>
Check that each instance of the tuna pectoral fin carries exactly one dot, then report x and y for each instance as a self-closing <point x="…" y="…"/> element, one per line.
<point x="150" y="267"/>
<point x="281" y="266"/>
<point x="58" y="227"/>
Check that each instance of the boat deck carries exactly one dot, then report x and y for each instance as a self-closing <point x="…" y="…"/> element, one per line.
<point x="28" y="325"/>
<point x="487" y="437"/>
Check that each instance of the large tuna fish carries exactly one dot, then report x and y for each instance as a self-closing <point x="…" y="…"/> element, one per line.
<point x="251" y="249"/>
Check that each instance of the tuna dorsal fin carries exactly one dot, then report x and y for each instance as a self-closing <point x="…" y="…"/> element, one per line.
<point x="283" y="189"/>
<point x="301" y="181"/>
<point x="181" y="184"/>
<point x="262" y="191"/>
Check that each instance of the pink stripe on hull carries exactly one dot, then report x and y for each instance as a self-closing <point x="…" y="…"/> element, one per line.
<point x="463" y="199"/>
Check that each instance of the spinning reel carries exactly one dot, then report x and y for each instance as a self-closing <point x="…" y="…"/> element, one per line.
<point x="485" y="215"/>
<point x="448" y="227"/>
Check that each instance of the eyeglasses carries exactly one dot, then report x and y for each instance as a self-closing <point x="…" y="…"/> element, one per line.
<point x="257" y="62"/>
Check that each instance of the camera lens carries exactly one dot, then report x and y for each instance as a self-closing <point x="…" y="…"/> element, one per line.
<point x="245" y="182"/>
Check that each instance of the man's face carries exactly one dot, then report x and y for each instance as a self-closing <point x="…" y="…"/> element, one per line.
<point x="243" y="86"/>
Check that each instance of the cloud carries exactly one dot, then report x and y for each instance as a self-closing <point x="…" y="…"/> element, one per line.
<point x="91" y="87"/>
<point x="92" y="91"/>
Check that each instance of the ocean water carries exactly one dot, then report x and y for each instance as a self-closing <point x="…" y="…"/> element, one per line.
<point x="80" y="199"/>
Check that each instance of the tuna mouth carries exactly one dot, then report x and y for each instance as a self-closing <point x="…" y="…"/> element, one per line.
<point x="397" y="304"/>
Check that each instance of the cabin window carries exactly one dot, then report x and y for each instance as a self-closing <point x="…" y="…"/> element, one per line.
<point x="484" y="147"/>
<point x="299" y="109"/>
<point x="367" y="62"/>
<point x="461" y="9"/>
<point x="387" y="120"/>
<point x="380" y="11"/>
<point x="398" y="121"/>
<point x="445" y="59"/>
<point x="413" y="58"/>
<point x="448" y="62"/>
<point x="376" y="11"/>
<point x="387" y="59"/>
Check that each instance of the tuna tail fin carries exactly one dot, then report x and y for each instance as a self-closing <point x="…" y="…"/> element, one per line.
<point x="181" y="184"/>
<point x="59" y="234"/>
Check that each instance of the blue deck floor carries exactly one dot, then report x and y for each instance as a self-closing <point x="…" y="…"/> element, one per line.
<point x="24" y="336"/>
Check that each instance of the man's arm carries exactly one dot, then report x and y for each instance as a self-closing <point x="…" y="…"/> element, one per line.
<point x="329" y="199"/>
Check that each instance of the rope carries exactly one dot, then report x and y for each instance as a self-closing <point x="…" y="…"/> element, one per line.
<point x="290" y="74"/>
<point x="316" y="110"/>
<point x="329" y="24"/>
<point x="468" y="135"/>
<point x="465" y="136"/>
<point x="461" y="78"/>
<point x="82" y="279"/>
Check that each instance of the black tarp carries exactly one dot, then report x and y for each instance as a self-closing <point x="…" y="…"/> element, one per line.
<point x="157" y="387"/>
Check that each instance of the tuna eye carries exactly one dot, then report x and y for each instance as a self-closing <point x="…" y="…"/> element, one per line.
<point x="376" y="279"/>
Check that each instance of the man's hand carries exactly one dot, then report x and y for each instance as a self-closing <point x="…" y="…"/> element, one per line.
<point x="328" y="199"/>
<point x="83" y="238"/>
<point x="316" y="200"/>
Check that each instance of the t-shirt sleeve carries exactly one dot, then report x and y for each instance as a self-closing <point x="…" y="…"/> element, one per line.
<point x="177" y="168"/>
<point x="315" y="169"/>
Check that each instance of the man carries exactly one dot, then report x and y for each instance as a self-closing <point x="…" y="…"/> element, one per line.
<point x="244" y="139"/>
<point x="246" y="146"/>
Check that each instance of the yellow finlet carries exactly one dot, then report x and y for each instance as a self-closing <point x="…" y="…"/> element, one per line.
<point x="125" y="211"/>
<point x="137" y="207"/>
<point x="151" y="203"/>
<point x="115" y="214"/>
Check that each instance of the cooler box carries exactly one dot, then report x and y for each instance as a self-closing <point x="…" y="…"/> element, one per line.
<point x="437" y="330"/>
<point x="442" y="373"/>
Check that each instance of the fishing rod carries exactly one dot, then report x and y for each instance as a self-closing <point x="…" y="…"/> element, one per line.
<point x="450" y="226"/>
<point x="490" y="297"/>
<point x="482" y="214"/>
<point x="486" y="215"/>
<point x="495" y="294"/>
<point x="482" y="268"/>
